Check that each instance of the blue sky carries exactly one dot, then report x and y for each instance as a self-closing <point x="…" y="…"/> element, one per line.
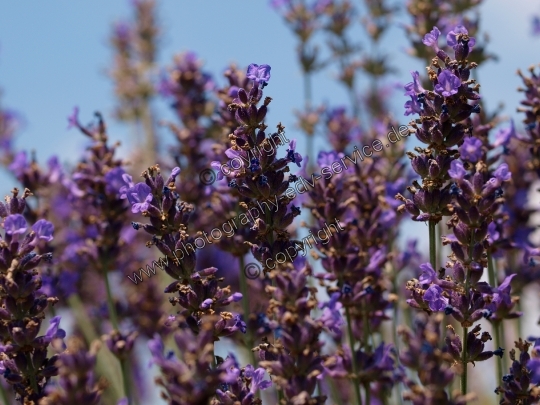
<point x="54" y="55"/>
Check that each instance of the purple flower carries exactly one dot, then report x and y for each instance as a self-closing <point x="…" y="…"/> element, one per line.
<point x="414" y="88"/>
<point x="493" y="233"/>
<point x="44" y="230"/>
<point x="54" y="331"/>
<point x="293" y="156"/>
<point x="259" y="74"/>
<point x="428" y="275"/>
<point x="502" y="293"/>
<point x="257" y="379"/>
<point x="412" y="106"/>
<point x="240" y="324"/>
<point x="434" y="298"/>
<point x="504" y="135"/>
<point x="19" y="164"/>
<point x="534" y="367"/>
<point x="207" y="303"/>
<point x="156" y="348"/>
<point x="73" y="119"/>
<point x="114" y="180"/>
<point x="448" y="83"/>
<point x="457" y="172"/>
<point x="55" y="169"/>
<point x="139" y="197"/>
<point x="453" y="37"/>
<point x="331" y="317"/>
<point x="502" y="173"/>
<point x="471" y="149"/>
<point x="128" y="183"/>
<point x="432" y="38"/>
<point x="536" y="25"/>
<point x="15" y="224"/>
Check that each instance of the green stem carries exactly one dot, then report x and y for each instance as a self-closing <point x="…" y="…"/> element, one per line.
<point x="31" y="374"/>
<point x="245" y="308"/>
<point x="307" y="107"/>
<point x="3" y="395"/>
<point x="464" y="362"/>
<point x="334" y="391"/>
<point x="353" y="358"/>
<point x="114" y="320"/>
<point x="110" y="303"/>
<point x="106" y="366"/>
<point x="438" y="256"/>
<point x="126" y="380"/>
<point x="492" y="276"/>
<point x="432" y="245"/>
<point x="367" y="388"/>
<point x="150" y="151"/>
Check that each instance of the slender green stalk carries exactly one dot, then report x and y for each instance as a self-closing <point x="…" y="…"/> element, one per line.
<point x="432" y="245"/>
<point x="307" y="107"/>
<point x="334" y="391"/>
<point x="492" y="276"/>
<point x="465" y="330"/>
<point x="126" y="380"/>
<point x="367" y="388"/>
<point x="3" y="395"/>
<point x="353" y="358"/>
<point x="464" y="362"/>
<point x="31" y="373"/>
<point x="150" y="151"/>
<point x="106" y="365"/>
<point x="438" y="255"/>
<point x="114" y="320"/>
<point x="245" y="308"/>
<point x="110" y="303"/>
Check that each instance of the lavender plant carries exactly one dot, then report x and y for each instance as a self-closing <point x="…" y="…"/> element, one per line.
<point x="341" y="309"/>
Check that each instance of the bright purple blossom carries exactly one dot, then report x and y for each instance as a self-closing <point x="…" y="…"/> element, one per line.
<point x="432" y="38"/>
<point x="415" y="87"/>
<point x="15" y="224"/>
<point x="331" y="316"/>
<point x="452" y="38"/>
<point x="434" y="298"/>
<point x="257" y="378"/>
<point x="471" y="149"/>
<point x="504" y="135"/>
<point x="457" y="172"/>
<point x="428" y="275"/>
<point x="448" y="83"/>
<point x="139" y="196"/>
<point x="19" y="164"/>
<point x="412" y="106"/>
<point x="44" y="230"/>
<point x="534" y="367"/>
<point x="207" y="303"/>
<point x="292" y="155"/>
<point x="502" y="173"/>
<point x="54" y="331"/>
<point x="114" y="180"/>
<point x="259" y="74"/>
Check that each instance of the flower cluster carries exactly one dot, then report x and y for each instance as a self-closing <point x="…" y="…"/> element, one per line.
<point x="24" y="360"/>
<point x="367" y="318"/>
